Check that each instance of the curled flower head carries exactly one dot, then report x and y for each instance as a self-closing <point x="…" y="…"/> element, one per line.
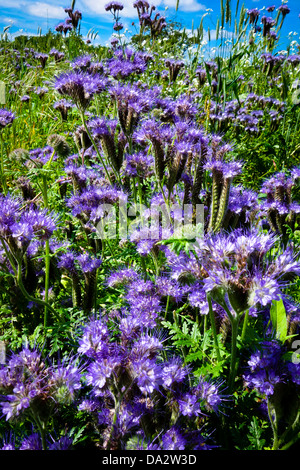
<point x="284" y="10"/>
<point x="114" y="6"/>
<point x="80" y="87"/>
<point x="253" y="15"/>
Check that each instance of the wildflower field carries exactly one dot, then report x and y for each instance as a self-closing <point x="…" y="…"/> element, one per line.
<point x="149" y="229"/>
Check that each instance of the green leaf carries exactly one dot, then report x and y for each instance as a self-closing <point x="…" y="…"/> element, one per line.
<point x="278" y="319"/>
<point x="255" y="433"/>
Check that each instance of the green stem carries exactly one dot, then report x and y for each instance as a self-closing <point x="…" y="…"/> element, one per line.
<point x="47" y="281"/>
<point x="291" y="442"/>
<point x="290" y="428"/>
<point x="213" y="327"/>
<point x="233" y="363"/>
<point x="143" y="263"/>
<point x="245" y="324"/>
<point x="140" y="191"/>
<point x="30" y="297"/>
<point x="274" y="426"/>
<point x="167" y="306"/>
<point x="18" y="273"/>
<point x="42" y="429"/>
<point x="3" y="178"/>
<point x="47" y="253"/>
<point x="95" y="146"/>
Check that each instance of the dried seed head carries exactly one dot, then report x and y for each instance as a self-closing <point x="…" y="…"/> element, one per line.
<point x="59" y="144"/>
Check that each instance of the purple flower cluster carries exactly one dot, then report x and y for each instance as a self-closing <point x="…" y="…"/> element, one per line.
<point x="268" y="369"/>
<point x="80" y="87"/>
<point x="251" y="116"/>
<point x="129" y="373"/>
<point x="114" y="6"/>
<point x="6" y="118"/>
<point x="20" y="226"/>
<point x="155" y="24"/>
<point x="71" y="22"/>
<point x="278" y="208"/>
<point x="63" y="107"/>
<point x="236" y="270"/>
<point x="29" y="385"/>
<point x="131" y="102"/>
<point x="253" y="15"/>
<point x="89" y="204"/>
<point x="126" y="62"/>
<point x="139" y="164"/>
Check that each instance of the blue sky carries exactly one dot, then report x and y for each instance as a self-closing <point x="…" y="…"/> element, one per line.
<point x="26" y="16"/>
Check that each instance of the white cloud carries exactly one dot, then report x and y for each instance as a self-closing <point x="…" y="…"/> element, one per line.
<point x="96" y="6"/>
<point x="185" y="5"/>
<point x="45" y="10"/>
<point x="10" y="4"/>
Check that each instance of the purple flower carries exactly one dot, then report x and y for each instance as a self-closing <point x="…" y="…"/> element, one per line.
<point x="94" y="339"/>
<point x="67" y="262"/>
<point x="268" y="23"/>
<point x="126" y="62"/>
<point x="82" y="63"/>
<point x="271" y="8"/>
<point x="242" y="200"/>
<point x="239" y="264"/>
<point x="63" y="443"/>
<point x="80" y="87"/>
<point x="173" y="439"/>
<point x="122" y="277"/>
<point x="43" y="225"/>
<point x="263" y="291"/>
<point x="253" y="15"/>
<point x="63" y="27"/>
<point x="146" y="347"/>
<point x="42" y="58"/>
<point x="6" y="118"/>
<point x="114" y="6"/>
<point x="27" y="383"/>
<point x="189" y="405"/>
<point x="139" y="164"/>
<point x="284" y="9"/>
<point x="226" y="170"/>
<point x="87" y="263"/>
<point x="294" y="372"/>
<point x="89" y="202"/>
<point x="197" y="298"/>
<point x="25" y="98"/>
<point x="21" y="399"/>
<point x="58" y="55"/>
<point x="65" y="380"/>
<point x="266" y="368"/>
<point x="118" y="26"/>
<point x="174" y="372"/>
<point x="131" y="102"/>
<point x="169" y="288"/>
<point x="99" y="372"/>
<point x="63" y="107"/>
<point x="32" y="442"/>
<point x="148" y="375"/>
<point x="210" y="395"/>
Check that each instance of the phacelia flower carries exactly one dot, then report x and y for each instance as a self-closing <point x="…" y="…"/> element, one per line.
<point x="6" y="118"/>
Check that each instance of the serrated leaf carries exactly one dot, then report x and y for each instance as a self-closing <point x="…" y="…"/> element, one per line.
<point x="196" y="335"/>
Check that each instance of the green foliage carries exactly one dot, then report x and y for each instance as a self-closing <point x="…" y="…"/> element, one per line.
<point x="197" y="347"/>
